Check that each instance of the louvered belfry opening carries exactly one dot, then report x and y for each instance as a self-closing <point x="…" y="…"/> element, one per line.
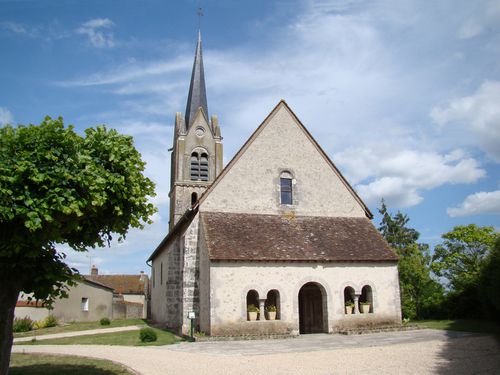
<point x="199" y="166"/>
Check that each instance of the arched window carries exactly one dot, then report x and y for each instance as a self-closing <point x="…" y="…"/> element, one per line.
<point x="273" y="303"/>
<point x="252" y="302"/>
<point x="194" y="198"/>
<point x="199" y="166"/>
<point x="365" y="299"/>
<point x="349" y="300"/>
<point x="286" y="193"/>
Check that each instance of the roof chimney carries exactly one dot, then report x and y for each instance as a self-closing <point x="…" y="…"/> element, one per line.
<point x="94" y="271"/>
<point x="142" y="277"/>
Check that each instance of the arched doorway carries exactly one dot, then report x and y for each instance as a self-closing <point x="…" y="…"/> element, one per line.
<point x="313" y="313"/>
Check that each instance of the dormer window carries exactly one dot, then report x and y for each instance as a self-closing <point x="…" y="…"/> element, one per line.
<point x="199" y="166"/>
<point x="286" y="188"/>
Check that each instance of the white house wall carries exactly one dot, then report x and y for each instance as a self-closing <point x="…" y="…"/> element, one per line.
<point x="100" y="304"/>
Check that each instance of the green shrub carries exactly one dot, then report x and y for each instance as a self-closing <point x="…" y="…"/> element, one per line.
<point x="147" y="335"/>
<point x="50" y="321"/>
<point x="22" y="324"/>
<point x="252" y="308"/>
<point x="105" y="322"/>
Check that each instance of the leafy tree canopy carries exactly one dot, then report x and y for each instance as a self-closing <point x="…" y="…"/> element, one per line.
<point x="417" y="287"/>
<point x="461" y="255"/>
<point x="395" y="230"/>
<point x="59" y="187"/>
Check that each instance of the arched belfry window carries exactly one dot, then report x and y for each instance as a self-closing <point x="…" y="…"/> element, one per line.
<point x="286" y="193"/>
<point x="199" y="166"/>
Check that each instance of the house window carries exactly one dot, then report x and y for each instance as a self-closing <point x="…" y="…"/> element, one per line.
<point x="85" y="304"/>
<point x="286" y="188"/>
<point x="161" y="273"/>
<point x="199" y="166"/>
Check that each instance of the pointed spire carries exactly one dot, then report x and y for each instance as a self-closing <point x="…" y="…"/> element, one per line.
<point x="197" y="93"/>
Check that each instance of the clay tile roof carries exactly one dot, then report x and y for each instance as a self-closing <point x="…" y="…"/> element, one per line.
<point x="247" y="237"/>
<point x="121" y="284"/>
<point x="32" y="303"/>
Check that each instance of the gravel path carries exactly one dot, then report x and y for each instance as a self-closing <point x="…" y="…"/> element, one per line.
<point x="433" y="352"/>
<point x="78" y="333"/>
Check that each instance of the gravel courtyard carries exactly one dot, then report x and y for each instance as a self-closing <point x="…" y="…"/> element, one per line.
<point x="412" y="352"/>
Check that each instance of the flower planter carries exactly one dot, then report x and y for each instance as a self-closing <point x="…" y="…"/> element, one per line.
<point x="365" y="308"/>
<point x="252" y="315"/>
<point x="271" y="315"/>
<point x="349" y="310"/>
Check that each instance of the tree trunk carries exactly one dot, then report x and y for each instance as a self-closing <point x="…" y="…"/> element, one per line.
<point x="8" y="298"/>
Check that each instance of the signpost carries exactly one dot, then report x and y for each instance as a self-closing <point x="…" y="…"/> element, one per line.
<point x="192" y="317"/>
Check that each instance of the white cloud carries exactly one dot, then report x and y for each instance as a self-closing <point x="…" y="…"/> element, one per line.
<point x="98" y="32"/>
<point x="485" y="15"/>
<point x="5" y="116"/>
<point x="478" y="113"/>
<point x="15" y="27"/>
<point x="484" y="202"/>
<point x="400" y="176"/>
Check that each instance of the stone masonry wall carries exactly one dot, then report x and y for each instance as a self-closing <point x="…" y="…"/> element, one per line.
<point x="190" y="274"/>
<point x="166" y="289"/>
<point x="231" y="281"/>
<point x="252" y="185"/>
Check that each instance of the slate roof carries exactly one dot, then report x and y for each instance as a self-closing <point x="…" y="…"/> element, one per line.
<point x="197" y="96"/>
<point x="247" y="237"/>
<point x="121" y="284"/>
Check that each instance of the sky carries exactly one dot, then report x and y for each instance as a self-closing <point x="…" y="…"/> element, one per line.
<point x="403" y="95"/>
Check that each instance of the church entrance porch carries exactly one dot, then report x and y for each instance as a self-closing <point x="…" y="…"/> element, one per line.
<point x="313" y="311"/>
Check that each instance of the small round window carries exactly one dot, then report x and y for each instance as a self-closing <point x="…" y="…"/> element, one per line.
<point x="199" y="131"/>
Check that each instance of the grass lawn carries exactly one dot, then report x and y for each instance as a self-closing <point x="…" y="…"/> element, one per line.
<point x="128" y="338"/>
<point x="43" y="364"/>
<point x="480" y="326"/>
<point x="81" y="326"/>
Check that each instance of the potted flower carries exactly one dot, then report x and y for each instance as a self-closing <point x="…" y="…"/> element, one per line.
<point x="365" y="307"/>
<point x="349" y="307"/>
<point x="252" y="312"/>
<point x="271" y="312"/>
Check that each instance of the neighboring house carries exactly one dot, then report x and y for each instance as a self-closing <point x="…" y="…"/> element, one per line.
<point x="279" y="225"/>
<point x="87" y="301"/>
<point x="131" y="293"/>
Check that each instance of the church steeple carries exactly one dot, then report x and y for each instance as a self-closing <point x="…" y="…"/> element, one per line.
<point x="197" y="96"/>
<point x="197" y="150"/>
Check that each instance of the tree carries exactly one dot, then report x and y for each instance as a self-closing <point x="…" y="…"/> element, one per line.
<point x="490" y="282"/>
<point x="460" y="257"/>
<point x="417" y="287"/>
<point x="59" y="187"/>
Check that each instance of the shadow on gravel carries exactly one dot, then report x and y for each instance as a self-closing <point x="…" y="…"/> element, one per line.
<point x="470" y="353"/>
<point x="47" y="369"/>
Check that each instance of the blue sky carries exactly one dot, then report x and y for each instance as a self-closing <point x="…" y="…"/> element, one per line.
<point x="403" y="95"/>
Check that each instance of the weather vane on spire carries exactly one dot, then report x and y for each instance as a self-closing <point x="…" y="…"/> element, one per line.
<point x="200" y="14"/>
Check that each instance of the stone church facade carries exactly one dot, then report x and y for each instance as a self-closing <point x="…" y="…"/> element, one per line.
<point x="279" y="227"/>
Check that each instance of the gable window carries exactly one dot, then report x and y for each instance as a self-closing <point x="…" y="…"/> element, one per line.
<point x="85" y="304"/>
<point x="286" y="188"/>
<point x="199" y="166"/>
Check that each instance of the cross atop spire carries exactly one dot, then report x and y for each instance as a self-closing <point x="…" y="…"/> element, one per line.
<point x="197" y="96"/>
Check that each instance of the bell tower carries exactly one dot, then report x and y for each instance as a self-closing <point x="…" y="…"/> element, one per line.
<point x="197" y="150"/>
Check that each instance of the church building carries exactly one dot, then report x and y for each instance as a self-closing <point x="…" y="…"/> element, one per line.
<point x="276" y="242"/>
